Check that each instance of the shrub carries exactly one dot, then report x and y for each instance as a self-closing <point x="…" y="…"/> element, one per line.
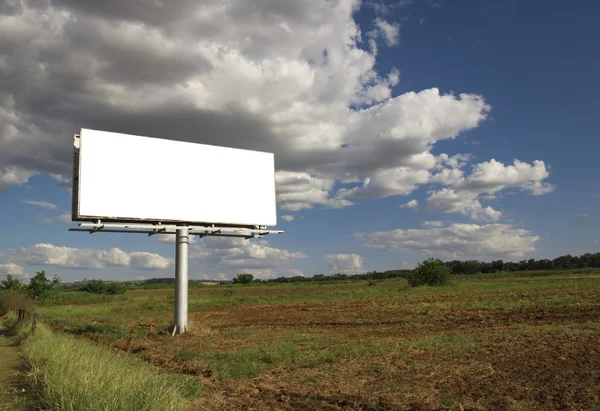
<point x="243" y="278"/>
<point x="100" y="287"/>
<point x="14" y="300"/>
<point x="11" y="283"/>
<point x="40" y="285"/>
<point x="429" y="272"/>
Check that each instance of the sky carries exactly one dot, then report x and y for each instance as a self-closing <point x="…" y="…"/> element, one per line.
<point x="401" y="130"/>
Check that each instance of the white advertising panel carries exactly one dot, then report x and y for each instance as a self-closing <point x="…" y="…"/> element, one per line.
<point x="121" y="177"/>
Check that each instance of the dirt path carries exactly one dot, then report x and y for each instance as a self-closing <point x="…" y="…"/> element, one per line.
<point x="9" y="363"/>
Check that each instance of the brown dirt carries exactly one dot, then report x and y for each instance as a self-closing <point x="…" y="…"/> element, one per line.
<point x="9" y="369"/>
<point x="537" y="358"/>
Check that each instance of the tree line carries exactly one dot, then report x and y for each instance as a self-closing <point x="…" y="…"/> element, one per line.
<point x="564" y="262"/>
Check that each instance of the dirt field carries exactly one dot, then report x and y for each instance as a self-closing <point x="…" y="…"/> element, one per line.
<point x="492" y="344"/>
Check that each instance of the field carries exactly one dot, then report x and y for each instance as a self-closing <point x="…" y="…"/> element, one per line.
<point x="511" y="342"/>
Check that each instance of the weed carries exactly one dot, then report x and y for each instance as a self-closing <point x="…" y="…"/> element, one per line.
<point x="69" y="374"/>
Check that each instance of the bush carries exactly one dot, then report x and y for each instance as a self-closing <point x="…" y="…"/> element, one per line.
<point x="40" y="285"/>
<point x="11" y="283"/>
<point x="100" y="287"/>
<point x="429" y="272"/>
<point x="243" y="278"/>
<point x="14" y="300"/>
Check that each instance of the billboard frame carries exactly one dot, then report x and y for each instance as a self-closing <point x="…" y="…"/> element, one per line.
<point x="76" y="189"/>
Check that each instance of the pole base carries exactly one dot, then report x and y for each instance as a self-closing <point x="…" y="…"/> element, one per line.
<point x="178" y="329"/>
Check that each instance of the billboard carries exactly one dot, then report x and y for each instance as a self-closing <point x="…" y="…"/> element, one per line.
<point x="127" y="178"/>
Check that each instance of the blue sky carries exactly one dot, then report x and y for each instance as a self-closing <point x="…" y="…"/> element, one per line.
<point x="381" y="159"/>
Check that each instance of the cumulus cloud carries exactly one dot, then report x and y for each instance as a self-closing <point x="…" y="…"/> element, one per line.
<point x="297" y="191"/>
<point x="287" y="218"/>
<point x="44" y="204"/>
<point x="432" y="224"/>
<point x="14" y="270"/>
<point x="457" y="241"/>
<point x="306" y="88"/>
<point x="345" y="263"/>
<point x="87" y="259"/>
<point x="13" y="175"/>
<point x="463" y="192"/>
<point x="238" y="255"/>
<point x="149" y="261"/>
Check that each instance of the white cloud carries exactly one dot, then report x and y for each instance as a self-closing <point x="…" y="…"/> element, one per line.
<point x="290" y="273"/>
<point x="65" y="217"/>
<point x="305" y="89"/>
<point x="149" y="261"/>
<point x="287" y="218"/>
<point x="238" y="255"/>
<point x="457" y="241"/>
<point x="14" y="176"/>
<point x="449" y="201"/>
<point x="299" y="73"/>
<point x="15" y="270"/>
<point x="345" y="263"/>
<point x="432" y="224"/>
<point x="170" y="238"/>
<point x="68" y="257"/>
<point x="44" y="204"/>
<point x="62" y="180"/>
<point x="463" y="193"/>
<point x="48" y="220"/>
<point x="389" y="31"/>
<point x="297" y="191"/>
<point x="411" y="204"/>
<point x="582" y="216"/>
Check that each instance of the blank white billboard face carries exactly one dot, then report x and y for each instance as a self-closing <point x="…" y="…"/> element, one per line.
<point x="123" y="177"/>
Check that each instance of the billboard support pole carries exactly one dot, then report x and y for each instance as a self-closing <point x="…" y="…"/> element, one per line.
<point x="182" y="239"/>
<point x="181" y="280"/>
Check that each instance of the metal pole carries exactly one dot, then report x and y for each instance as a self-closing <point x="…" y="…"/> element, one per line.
<point x="181" y="280"/>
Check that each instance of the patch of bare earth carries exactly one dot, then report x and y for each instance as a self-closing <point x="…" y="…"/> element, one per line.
<point x="9" y="368"/>
<point x="536" y="358"/>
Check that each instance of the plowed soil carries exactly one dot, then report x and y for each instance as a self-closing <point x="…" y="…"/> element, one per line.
<point x="379" y="353"/>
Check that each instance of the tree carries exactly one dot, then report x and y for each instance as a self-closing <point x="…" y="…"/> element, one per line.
<point x="430" y="272"/>
<point x="11" y="283"/>
<point x="498" y="265"/>
<point x="244" y="278"/>
<point x="40" y="284"/>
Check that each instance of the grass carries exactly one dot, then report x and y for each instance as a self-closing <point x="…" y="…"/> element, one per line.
<point x="68" y="373"/>
<point x="344" y="335"/>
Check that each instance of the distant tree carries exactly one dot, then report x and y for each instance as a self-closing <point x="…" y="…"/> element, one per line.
<point x="472" y="267"/>
<point x="498" y="265"/>
<point x="429" y="272"/>
<point x="11" y="283"/>
<point x="244" y="278"/>
<point x="39" y="285"/>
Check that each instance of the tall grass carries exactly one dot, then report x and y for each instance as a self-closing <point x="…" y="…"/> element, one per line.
<point x="14" y="300"/>
<point x="70" y="374"/>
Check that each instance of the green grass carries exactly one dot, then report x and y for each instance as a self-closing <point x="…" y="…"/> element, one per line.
<point x="486" y="291"/>
<point x="68" y="373"/>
